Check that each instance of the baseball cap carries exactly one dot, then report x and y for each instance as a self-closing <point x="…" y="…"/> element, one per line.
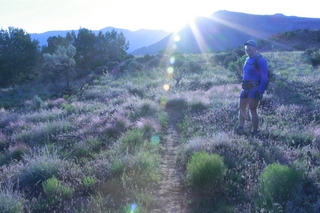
<point x="251" y="43"/>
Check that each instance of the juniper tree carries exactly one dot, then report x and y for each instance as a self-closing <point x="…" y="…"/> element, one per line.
<point x="62" y="64"/>
<point x="18" y="57"/>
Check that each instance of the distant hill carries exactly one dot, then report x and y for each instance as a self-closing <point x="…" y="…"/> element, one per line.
<point x="42" y="37"/>
<point x="292" y="40"/>
<point x="225" y="30"/>
<point x="137" y="39"/>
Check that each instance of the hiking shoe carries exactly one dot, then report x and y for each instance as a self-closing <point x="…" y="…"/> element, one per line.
<point x="240" y="131"/>
<point x="254" y="132"/>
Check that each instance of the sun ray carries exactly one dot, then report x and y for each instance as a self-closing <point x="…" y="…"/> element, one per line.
<point x="202" y="36"/>
<point x="247" y="30"/>
<point x="198" y="36"/>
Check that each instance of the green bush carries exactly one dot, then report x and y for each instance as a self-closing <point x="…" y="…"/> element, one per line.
<point x="55" y="191"/>
<point x="87" y="148"/>
<point x="144" y="109"/>
<point x="88" y="181"/>
<point x="69" y="108"/>
<point x="34" y="104"/>
<point x="118" y="166"/>
<point x="133" y="138"/>
<point x="206" y="169"/>
<point x="277" y="183"/>
<point x="163" y="121"/>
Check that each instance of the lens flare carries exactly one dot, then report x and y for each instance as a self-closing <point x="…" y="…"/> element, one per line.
<point x="166" y="87"/>
<point x="172" y="60"/>
<point x="176" y="38"/>
<point x="174" y="46"/>
<point x="133" y="207"/>
<point x="155" y="139"/>
<point x="170" y="70"/>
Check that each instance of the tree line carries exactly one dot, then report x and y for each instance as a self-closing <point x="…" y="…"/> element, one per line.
<point x="76" y="55"/>
<point x="63" y="58"/>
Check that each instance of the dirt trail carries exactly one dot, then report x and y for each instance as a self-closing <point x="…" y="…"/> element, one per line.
<point x="170" y="196"/>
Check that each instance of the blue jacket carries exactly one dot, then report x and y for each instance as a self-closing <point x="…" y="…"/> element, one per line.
<point x="250" y="73"/>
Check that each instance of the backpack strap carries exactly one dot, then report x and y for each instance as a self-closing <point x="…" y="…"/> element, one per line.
<point x="256" y="65"/>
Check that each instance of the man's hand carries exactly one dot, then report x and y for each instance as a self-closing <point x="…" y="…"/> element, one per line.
<point x="259" y="95"/>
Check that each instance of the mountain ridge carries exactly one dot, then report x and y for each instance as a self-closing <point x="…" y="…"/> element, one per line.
<point x="221" y="31"/>
<point x="224" y="30"/>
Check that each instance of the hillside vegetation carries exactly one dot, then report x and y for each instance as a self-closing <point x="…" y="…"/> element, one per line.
<point x="99" y="148"/>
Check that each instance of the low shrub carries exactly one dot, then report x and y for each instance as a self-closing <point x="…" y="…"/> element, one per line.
<point x="205" y="169"/>
<point x="69" y="108"/>
<point x="88" y="181"/>
<point x="176" y="108"/>
<point x="133" y="65"/>
<point x="3" y="142"/>
<point x="118" y="166"/>
<point x="110" y="131"/>
<point x="163" y="120"/>
<point x="15" y="153"/>
<point x="177" y="104"/>
<point x="55" y="191"/>
<point x="146" y="109"/>
<point x="277" y="184"/>
<point x="56" y="103"/>
<point x="198" y="107"/>
<point x="101" y="167"/>
<point x="35" y="104"/>
<point x="154" y="62"/>
<point x="148" y="126"/>
<point x="41" y="133"/>
<point x="11" y="202"/>
<point x="136" y="91"/>
<point x="39" y="168"/>
<point x="133" y="138"/>
<point x="42" y="116"/>
<point x="87" y="148"/>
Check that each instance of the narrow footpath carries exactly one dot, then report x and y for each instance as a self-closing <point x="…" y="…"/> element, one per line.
<point x="170" y="196"/>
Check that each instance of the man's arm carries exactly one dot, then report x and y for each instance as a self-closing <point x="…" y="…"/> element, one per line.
<point x="263" y="67"/>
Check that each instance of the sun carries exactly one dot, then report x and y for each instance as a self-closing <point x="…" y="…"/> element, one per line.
<point x="168" y="15"/>
<point x="180" y="15"/>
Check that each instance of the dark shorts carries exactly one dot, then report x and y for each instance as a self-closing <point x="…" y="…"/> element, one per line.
<point x="250" y="93"/>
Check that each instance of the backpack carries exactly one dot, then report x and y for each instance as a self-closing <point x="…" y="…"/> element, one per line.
<point x="270" y="73"/>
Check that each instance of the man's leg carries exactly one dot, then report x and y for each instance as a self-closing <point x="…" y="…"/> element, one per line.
<point x="244" y="102"/>
<point x="253" y="106"/>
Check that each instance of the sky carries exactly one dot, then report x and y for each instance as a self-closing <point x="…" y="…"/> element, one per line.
<point x="38" y="16"/>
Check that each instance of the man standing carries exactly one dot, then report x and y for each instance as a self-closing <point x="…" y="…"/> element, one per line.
<point x="254" y="82"/>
